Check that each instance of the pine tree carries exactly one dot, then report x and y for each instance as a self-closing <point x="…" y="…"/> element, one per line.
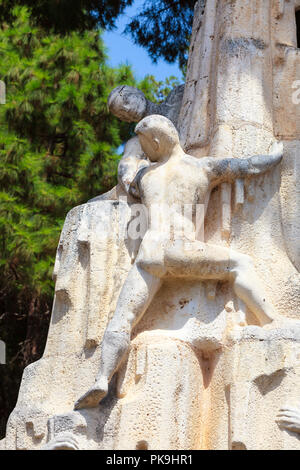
<point x="162" y="27"/>
<point x="58" y="148"/>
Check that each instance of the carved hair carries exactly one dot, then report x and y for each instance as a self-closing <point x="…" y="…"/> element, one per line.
<point x="159" y="126"/>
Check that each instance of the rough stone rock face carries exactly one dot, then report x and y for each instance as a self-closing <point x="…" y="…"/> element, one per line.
<point x="92" y="261"/>
<point x="201" y="372"/>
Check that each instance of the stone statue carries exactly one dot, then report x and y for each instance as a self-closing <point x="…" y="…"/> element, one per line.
<point x="209" y="300"/>
<point x="176" y="179"/>
<point x="130" y="104"/>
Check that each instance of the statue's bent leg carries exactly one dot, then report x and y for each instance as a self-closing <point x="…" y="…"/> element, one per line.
<point x="205" y="261"/>
<point x="135" y="297"/>
<point x="248" y="287"/>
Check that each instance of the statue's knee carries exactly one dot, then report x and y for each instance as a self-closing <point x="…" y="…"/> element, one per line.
<point x="120" y="339"/>
<point x="240" y="263"/>
<point x="122" y="323"/>
<point x="153" y="267"/>
<point x="244" y="263"/>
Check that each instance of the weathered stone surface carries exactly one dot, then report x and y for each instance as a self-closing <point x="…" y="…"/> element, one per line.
<point x="92" y="260"/>
<point x="201" y="373"/>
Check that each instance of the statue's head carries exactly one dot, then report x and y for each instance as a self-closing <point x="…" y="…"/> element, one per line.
<point x="158" y="136"/>
<point x="127" y="103"/>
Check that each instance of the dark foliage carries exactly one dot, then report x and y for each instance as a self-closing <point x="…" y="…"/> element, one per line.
<point x="163" y="27"/>
<point x="64" y="16"/>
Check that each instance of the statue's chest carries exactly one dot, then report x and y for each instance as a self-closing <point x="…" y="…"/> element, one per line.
<point x="153" y="185"/>
<point x="170" y="185"/>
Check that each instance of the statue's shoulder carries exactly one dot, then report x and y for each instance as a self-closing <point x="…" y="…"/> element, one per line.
<point x="203" y="163"/>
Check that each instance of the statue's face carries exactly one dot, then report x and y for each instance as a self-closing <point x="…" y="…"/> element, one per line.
<point x="129" y="107"/>
<point x="158" y="137"/>
<point x="150" y="146"/>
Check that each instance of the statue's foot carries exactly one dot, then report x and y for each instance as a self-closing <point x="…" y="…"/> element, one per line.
<point x="92" y="398"/>
<point x="64" y="441"/>
<point x="289" y="418"/>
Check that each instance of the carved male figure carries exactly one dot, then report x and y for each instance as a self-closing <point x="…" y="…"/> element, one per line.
<point x="130" y="104"/>
<point x="175" y="179"/>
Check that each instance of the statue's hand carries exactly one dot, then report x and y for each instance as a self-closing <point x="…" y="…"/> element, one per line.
<point x="277" y="149"/>
<point x="133" y="159"/>
<point x="134" y="189"/>
<point x="261" y="163"/>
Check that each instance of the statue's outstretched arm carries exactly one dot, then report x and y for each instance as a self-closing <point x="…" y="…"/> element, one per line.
<point x="132" y="161"/>
<point x="229" y="169"/>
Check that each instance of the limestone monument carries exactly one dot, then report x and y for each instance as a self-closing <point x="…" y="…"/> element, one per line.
<point x="177" y="179"/>
<point x="175" y="322"/>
